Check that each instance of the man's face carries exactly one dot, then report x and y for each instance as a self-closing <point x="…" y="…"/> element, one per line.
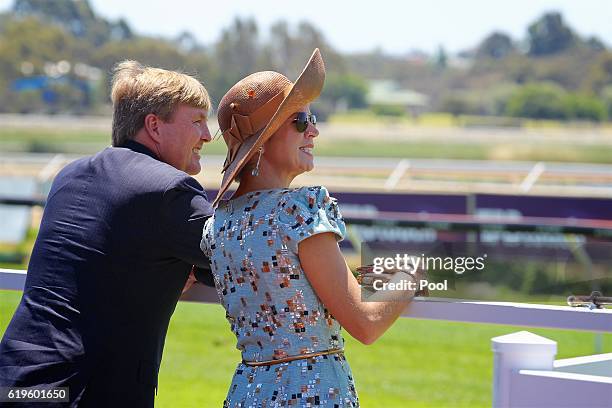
<point x="182" y="138"/>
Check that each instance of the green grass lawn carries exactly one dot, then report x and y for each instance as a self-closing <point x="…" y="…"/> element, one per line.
<point x="417" y="363"/>
<point x="442" y="119"/>
<point x="87" y="142"/>
<point x="465" y="150"/>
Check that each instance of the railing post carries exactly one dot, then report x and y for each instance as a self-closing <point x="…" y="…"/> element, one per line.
<point x="518" y="351"/>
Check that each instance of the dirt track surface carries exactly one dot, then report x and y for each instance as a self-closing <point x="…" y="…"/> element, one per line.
<point x="387" y="174"/>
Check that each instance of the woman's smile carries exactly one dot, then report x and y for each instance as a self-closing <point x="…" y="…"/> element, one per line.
<point x="307" y="149"/>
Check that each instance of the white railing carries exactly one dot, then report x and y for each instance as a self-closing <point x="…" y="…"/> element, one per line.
<point x="525" y="373"/>
<point x="574" y="179"/>
<point x="507" y="313"/>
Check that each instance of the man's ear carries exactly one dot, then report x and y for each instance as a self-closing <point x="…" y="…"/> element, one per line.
<point x="152" y="124"/>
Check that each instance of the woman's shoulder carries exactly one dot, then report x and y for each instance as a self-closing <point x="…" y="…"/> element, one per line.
<point x="309" y="197"/>
<point x="308" y="211"/>
<point x="311" y="203"/>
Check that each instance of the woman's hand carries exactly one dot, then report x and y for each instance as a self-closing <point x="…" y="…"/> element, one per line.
<point x="335" y="285"/>
<point x="190" y="281"/>
<point x="367" y="277"/>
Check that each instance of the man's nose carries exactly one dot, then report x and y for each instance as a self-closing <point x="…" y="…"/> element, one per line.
<point x="206" y="134"/>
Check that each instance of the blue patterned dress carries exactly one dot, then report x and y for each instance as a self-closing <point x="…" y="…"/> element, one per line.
<point x="252" y="242"/>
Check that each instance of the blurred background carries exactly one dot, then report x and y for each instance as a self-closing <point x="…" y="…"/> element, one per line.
<point x="448" y="129"/>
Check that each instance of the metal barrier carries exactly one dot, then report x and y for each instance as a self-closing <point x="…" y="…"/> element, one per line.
<point x="506" y="313"/>
<point x="525" y="373"/>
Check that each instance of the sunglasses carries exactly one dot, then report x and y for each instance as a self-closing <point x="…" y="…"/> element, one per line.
<point x="302" y="119"/>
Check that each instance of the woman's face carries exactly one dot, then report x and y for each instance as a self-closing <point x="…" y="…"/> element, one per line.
<point x="289" y="151"/>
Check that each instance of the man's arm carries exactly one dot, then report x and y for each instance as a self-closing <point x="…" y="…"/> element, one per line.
<point x="204" y="275"/>
<point x="185" y="210"/>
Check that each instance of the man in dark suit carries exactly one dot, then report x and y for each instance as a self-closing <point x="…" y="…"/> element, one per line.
<point x="118" y="238"/>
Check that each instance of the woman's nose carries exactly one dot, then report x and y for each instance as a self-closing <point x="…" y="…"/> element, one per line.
<point x="312" y="130"/>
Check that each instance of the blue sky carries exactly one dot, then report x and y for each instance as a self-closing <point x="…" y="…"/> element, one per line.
<point x="395" y="26"/>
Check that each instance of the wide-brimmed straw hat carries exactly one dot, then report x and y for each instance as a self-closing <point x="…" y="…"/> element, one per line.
<point x="253" y="109"/>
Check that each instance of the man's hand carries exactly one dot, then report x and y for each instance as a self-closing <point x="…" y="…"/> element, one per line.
<point x="190" y="281"/>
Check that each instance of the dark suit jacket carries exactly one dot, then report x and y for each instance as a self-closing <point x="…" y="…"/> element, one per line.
<point x="119" y="235"/>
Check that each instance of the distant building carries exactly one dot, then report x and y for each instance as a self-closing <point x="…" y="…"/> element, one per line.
<point x="386" y="94"/>
<point x="55" y="91"/>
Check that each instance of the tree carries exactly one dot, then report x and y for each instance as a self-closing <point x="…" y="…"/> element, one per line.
<point x="549" y="35"/>
<point x="550" y="101"/>
<point x="149" y="51"/>
<point x="282" y="48"/>
<point x="31" y="40"/>
<point x="441" y="60"/>
<point x="121" y="30"/>
<point x="76" y="17"/>
<point x="595" y="44"/>
<point x="288" y="50"/>
<point x="310" y="38"/>
<point x="187" y="42"/>
<point x="586" y="107"/>
<point x="236" y="51"/>
<point x="456" y="105"/>
<point x="497" y="45"/>
<point x="539" y="101"/>
<point x="349" y="89"/>
<point x="600" y="73"/>
<point x="606" y="96"/>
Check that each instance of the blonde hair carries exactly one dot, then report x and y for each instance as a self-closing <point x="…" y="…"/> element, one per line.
<point x="139" y="90"/>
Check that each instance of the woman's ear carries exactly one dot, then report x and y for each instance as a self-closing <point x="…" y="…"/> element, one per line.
<point x="152" y="124"/>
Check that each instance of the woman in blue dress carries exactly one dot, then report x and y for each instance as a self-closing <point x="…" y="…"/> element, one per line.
<point x="277" y="266"/>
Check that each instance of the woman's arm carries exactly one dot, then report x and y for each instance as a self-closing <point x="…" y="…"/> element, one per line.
<point x="339" y="291"/>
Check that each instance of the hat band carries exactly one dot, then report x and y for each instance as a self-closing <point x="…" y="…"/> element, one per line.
<point x="244" y="126"/>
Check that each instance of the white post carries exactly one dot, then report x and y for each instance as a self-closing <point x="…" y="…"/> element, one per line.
<point x="51" y="168"/>
<point x="397" y="174"/>
<point x="532" y="177"/>
<point x="517" y="351"/>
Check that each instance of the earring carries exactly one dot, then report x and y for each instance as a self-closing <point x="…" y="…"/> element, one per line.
<point x="255" y="171"/>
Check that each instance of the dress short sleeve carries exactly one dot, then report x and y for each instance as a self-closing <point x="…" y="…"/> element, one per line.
<point x="308" y="211"/>
<point x="208" y="237"/>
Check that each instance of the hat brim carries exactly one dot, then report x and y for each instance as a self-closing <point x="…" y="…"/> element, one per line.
<point x="306" y="88"/>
